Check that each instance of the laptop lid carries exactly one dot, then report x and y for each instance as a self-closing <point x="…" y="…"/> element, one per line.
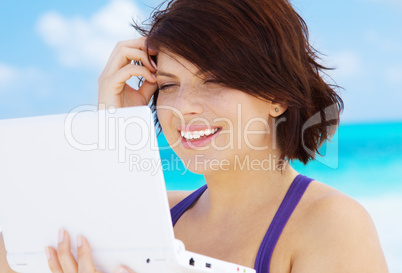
<point x="91" y="173"/>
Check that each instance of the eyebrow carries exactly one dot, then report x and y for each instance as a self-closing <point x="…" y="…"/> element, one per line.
<point x="166" y="74"/>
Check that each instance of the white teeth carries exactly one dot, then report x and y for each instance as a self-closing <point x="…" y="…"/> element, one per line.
<point x="197" y="134"/>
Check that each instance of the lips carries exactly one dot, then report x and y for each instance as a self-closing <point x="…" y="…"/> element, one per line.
<point x="197" y="136"/>
<point x="196" y="127"/>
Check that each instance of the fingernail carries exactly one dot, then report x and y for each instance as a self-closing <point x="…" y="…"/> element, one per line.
<point x="47" y="253"/>
<point x="61" y="235"/>
<point x="79" y="240"/>
<point x="122" y="270"/>
<point x="154" y="64"/>
<point x="154" y="76"/>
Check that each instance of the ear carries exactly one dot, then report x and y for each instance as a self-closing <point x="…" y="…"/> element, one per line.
<point x="277" y="109"/>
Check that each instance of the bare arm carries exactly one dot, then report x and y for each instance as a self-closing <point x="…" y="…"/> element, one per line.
<point x="339" y="236"/>
<point x="4" y="267"/>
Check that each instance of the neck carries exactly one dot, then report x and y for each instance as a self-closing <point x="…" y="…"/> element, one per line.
<point x="239" y="190"/>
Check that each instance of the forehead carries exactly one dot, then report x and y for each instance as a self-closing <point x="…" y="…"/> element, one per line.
<point x="172" y="63"/>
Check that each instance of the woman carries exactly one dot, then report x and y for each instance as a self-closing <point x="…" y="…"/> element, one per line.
<point x="238" y="93"/>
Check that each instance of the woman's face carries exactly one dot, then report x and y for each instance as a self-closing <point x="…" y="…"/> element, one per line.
<point x="209" y="126"/>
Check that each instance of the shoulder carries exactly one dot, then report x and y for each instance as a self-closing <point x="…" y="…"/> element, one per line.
<point x="175" y="197"/>
<point x="330" y="213"/>
<point x="328" y="205"/>
<point x="336" y="232"/>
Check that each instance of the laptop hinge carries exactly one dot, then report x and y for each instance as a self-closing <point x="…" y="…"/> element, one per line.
<point x="17" y="262"/>
<point x="27" y="261"/>
<point x="179" y="246"/>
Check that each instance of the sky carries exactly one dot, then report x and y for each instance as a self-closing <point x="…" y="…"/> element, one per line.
<point x="52" y="52"/>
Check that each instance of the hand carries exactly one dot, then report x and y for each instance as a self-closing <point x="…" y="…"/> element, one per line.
<point x="63" y="261"/>
<point x="113" y="89"/>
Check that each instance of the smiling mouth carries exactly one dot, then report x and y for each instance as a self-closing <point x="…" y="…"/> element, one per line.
<point x="198" y="135"/>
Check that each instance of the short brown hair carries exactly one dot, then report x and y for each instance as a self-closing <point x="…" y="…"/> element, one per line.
<point x="261" y="48"/>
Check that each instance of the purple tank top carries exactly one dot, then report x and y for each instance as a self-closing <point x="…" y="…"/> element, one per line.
<point x="289" y="203"/>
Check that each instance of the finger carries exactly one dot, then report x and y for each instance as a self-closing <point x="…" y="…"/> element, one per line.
<point x="85" y="263"/>
<point x="66" y="258"/>
<point x="124" y="56"/>
<point x="147" y="90"/>
<point x="53" y="260"/>
<point x="123" y="269"/>
<point x="139" y="43"/>
<point x="123" y="75"/>
<point x="114" y="85"/>
<point x="141" y="97"/>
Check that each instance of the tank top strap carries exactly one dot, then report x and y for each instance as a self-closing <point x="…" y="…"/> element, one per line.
<point x="289" y="203"/>
<point x="177" y="211"/>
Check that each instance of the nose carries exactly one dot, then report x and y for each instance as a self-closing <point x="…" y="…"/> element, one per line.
<point x="188" y="101"/>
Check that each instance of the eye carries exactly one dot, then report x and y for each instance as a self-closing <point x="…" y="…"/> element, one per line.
<point x="166" y="87"/>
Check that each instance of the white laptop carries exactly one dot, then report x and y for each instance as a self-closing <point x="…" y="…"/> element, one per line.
<point x="97" y="174"/>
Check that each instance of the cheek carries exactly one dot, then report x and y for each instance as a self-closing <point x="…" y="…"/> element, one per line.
<point x="164" y="109"/>
<point x="161" y="109"/>
<point x="163" y="117"/>
<point x="165" y="99"/>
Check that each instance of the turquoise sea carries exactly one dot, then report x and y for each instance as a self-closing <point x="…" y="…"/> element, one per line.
<point x="363" y="160"/>
<point x="367" y="162"/>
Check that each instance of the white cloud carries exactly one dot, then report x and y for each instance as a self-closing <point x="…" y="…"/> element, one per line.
<point x="347" y="64"/>
<point x="88" y="42"/>
<point x="12" y="77"/>
<point x="7" y="75"/>
<point x="384" y="43"/>
<point x="393" y="75"/>
<point x="392" y="2"/>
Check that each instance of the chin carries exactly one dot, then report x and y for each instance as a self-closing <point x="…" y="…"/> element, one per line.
<point x="202" y="164"/>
